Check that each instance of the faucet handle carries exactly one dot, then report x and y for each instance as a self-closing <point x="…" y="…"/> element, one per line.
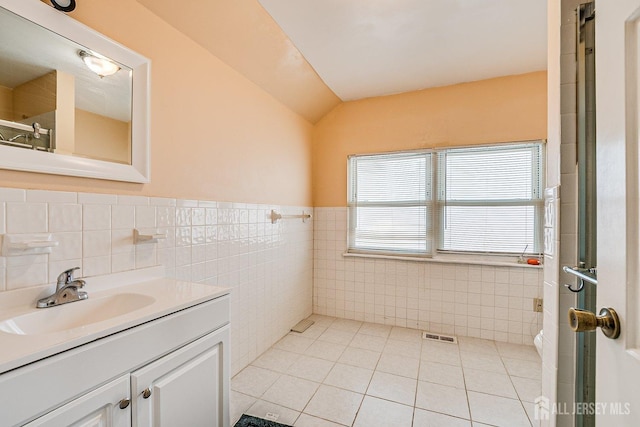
<point x="66" y="276"/>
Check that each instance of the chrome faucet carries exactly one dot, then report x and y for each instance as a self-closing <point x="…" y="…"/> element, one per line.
<point x="67" y="290"/>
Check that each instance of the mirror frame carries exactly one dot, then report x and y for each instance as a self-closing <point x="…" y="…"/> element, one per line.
<point x="51" y="163"/>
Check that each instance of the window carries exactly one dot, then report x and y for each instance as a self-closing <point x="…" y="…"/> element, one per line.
<point x="391" y="203"/>
<point x="488" y="199"/>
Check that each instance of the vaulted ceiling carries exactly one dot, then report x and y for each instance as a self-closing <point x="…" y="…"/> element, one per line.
<point x="380" y="47"/>
<point x="313" y="54"/>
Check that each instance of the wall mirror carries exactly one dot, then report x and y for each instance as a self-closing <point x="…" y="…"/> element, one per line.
<point x="72" y="102"/>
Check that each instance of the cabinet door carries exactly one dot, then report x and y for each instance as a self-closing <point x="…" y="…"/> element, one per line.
<point x="189" y="387"/>
<point x="98" y="408"/>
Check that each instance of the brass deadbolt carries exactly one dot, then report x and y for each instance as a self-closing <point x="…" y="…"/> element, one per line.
<point x="607" y="320"/>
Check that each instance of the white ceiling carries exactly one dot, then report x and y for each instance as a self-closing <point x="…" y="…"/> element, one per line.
<point x="29" y="51"/>
<point x="364" y="48"/>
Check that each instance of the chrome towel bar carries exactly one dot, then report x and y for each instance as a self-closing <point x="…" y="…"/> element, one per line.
<point x="581" y="273"/>
<point x="275" y="216"/>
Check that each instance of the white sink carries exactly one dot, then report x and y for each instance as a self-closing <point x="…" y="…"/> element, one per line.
<point x="117" y="301"/>
<point x="75" y="315"/>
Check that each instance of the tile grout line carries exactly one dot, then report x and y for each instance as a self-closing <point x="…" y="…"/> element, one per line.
<point x="415" y="398"/>
<point x="375" y="369"/>
<point x="517" y="394"/>
<point x="319" y="385"/>
<point x="373" y="373"/>
<point x="464" y="381"/>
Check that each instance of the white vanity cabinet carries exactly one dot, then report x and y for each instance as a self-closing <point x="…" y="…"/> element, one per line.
<point x="170" y="371"/>
<point x="183" y="388"/>
<point x="98" y="408"/>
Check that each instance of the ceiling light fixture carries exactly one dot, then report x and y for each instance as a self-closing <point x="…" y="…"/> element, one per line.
<point x="101" y="66"/>
<point x="64" y="5"/>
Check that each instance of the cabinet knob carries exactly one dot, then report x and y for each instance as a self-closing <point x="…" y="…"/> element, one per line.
<point x="146" y="393"/>
<point x="124" y="403"/>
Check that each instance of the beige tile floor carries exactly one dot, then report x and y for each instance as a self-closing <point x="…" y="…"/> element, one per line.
<point x="348" y="373"/>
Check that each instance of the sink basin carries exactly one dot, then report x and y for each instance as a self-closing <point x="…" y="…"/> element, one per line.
<point x="74" y="315"/>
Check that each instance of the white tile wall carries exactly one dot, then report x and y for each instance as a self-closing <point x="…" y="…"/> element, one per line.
<point x="552" y="317"/>
<point x="268" y="266"/>
<point x="466" y="300"/>
<point x="26" y="217"/>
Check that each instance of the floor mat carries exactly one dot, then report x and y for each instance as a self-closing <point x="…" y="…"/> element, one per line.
<point x="249" y="421"/>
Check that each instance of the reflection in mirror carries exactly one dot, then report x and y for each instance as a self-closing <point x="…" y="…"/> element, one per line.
<point x="52" y="101"/>
<point x="73" y="121"/>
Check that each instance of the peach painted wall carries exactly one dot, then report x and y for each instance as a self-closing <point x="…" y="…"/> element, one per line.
<point x="215" y="135"/>
<point x="6" y="103"/>
<point x="511" y="108"/>
<point x="35" y="97"/>
<point x="101" y="137"/>
<point x="245" y="36"/>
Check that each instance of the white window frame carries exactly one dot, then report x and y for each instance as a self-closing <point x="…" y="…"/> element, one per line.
<point x="353" y="204"/>
<point x="438" y="208"/>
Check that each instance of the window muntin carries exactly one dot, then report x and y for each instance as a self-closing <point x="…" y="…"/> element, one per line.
<point x="489" y="199"/>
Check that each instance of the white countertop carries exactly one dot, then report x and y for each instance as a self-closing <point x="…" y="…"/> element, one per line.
<point x="168" y="296"/>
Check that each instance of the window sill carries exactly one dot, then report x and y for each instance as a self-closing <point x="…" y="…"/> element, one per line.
<point x="490" y="260"/>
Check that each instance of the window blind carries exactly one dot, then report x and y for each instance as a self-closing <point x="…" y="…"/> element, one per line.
<point x="490" y="198"/>
<point x="390" y="203"/>
<point x="474" y="199"/>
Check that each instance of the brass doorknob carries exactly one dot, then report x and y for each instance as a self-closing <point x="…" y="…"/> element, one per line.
<point x="146" y="393"/>
<point x="607" y="320"/>
<point x="124" y="403"/>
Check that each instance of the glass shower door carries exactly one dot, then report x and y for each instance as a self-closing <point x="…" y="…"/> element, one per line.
<point x="587" y="255"/>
